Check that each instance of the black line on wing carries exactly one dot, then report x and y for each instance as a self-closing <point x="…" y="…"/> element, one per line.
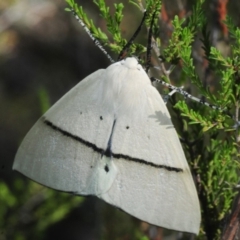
<point x="102" y="151"/>
<point x="65" y="133"/>
<point x="146" y="163"/>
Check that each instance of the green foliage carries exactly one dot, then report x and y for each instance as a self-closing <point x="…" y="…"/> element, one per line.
<point x="44" y="100"/>
<point x="28" y="216"/>
<point x="88" y="22"/>
<point x="180" y="44"/>
<point x="112" y="23"/>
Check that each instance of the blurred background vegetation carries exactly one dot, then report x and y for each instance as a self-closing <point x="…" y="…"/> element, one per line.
<point x="44" y="52"/>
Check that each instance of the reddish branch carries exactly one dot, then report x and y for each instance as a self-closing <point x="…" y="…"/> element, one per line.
<point x="231" y="229"/>
<point x="222" y="12"/>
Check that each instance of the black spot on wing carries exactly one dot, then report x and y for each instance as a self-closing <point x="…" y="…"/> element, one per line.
<point x="106" y="168"/>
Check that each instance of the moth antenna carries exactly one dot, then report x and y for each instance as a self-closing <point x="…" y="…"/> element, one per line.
<point x="167" y="96"/>
<point x="185" y="94"/>
<point x="129" y="43"/>
<point x="96" y="42"/>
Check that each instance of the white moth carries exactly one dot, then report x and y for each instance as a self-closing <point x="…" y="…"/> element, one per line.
<point x="112" y="136"/>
